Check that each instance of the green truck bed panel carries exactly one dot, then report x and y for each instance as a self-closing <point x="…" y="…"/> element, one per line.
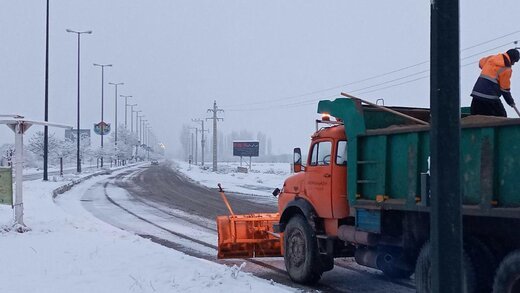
<point x="387" y="154"/>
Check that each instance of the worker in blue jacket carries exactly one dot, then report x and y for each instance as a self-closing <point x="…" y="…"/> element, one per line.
<point x="494" y="81"/>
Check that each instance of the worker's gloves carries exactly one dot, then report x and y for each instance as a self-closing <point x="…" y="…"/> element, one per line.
<point x="512" y="105"/>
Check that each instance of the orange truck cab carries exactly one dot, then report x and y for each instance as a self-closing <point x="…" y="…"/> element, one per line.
<point x="322" y="185"/>
<point x="313" y="204"/>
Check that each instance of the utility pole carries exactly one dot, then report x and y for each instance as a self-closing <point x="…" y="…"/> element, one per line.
<point x="196" y="144"/>
<point x="446" y="201"/>
<point x="202" y="140"/>
<point x="215" y="110"/>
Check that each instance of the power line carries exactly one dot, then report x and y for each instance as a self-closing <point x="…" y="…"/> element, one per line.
<point x="379" y="75"/>
<point x="489" y="41"/>
<point x="367" y="88"/>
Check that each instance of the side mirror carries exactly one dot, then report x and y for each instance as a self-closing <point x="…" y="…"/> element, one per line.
<point x="297" y="160"/>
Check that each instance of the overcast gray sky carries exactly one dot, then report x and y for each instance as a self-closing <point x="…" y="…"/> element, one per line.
<point x="265" y="62"/>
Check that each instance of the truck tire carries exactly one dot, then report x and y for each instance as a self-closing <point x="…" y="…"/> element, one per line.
<point x="507" y="279"/>
<point x="484" y="262"/>
<point x="423" y="272"/>
<point x="396" y="273"/>
<point x="391" y="267"/>
<point x="301" y="252"/>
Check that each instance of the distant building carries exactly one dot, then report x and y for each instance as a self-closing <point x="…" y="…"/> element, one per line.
<point x="70" y="134"/>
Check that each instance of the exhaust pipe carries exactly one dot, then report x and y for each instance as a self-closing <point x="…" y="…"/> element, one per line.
<point x="350" y="234"/>
<point x="380" y="260"/>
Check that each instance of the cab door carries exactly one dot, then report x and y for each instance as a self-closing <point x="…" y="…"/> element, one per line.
<point x="318" y="178"/>
<point x="339" y="198"/>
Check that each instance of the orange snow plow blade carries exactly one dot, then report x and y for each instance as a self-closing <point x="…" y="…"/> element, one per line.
<point x="244" y="236"/>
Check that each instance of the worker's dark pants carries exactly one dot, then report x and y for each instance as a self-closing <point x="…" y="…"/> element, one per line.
<point x="482" y="106"/>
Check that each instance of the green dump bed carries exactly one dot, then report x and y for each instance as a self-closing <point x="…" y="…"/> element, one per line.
<point x="387" y="154"/>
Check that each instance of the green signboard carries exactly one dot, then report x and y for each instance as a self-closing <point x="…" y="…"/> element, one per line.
<point x="6" y="186"/>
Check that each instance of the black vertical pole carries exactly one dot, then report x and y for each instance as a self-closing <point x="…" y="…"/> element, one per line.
<point x="126" y="111"/>
<point x="115" y="140"/>
<point x="445" y="217"/>
<point x="102" y="102"/>
<point x="78" y="137"/>
<point x="202" y="142"/>
<point x="45" y="128"/>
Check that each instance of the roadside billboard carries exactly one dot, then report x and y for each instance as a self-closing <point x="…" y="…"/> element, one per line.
<point x="246" y="148"/>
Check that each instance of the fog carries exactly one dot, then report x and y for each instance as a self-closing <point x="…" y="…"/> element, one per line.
<point x="266" y="63"/>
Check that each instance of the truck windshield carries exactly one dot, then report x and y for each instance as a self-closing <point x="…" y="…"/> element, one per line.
<point x="321" y="153"/>
<point x="341" y="153"/>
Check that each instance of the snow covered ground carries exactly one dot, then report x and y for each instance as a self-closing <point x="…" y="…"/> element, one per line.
<point x="69" y="250"/>
<point x="261" y="180"/>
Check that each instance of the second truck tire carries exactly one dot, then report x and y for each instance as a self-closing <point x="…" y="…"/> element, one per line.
<point x="507" y="279"/>
<point x="423" y="272"/>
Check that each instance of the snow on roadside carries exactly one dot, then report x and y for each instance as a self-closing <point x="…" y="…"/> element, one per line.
<point x="261" y="180"/>
<point x="68" y="250"/>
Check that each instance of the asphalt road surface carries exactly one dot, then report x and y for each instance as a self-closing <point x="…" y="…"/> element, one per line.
<point x="161" y="184"/>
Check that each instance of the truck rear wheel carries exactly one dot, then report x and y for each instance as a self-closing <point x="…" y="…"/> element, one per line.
<point x="301" y="252"/>
<point x="423" y="272"/>
<point x="507" y="279"/>
<point x="392" y="264"/>
<point x="483" y="261"/>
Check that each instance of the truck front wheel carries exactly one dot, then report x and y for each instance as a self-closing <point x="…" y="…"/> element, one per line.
<point x="301" y="252"/>
<point x="507" y="279"/>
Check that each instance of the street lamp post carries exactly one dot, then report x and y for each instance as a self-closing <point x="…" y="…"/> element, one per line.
<point x="143" y="122"/>
<point x="115" y="112"/>
<point x="126" y="107"/>
<point x="102" y="100"/>
<point x="46" y="114"/>
<point x="78" y="137"/>
<point x="132" y="117"/>
<point x="137" y="132"/>
<point x="148" y="128"/>
<point x="137" y="122"/>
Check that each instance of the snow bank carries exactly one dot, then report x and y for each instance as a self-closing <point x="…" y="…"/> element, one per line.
<point x="68" y="250"/>
<point x="261" y="180"/>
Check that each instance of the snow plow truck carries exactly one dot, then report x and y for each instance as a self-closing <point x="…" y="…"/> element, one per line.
<point x="364" y="193"/>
